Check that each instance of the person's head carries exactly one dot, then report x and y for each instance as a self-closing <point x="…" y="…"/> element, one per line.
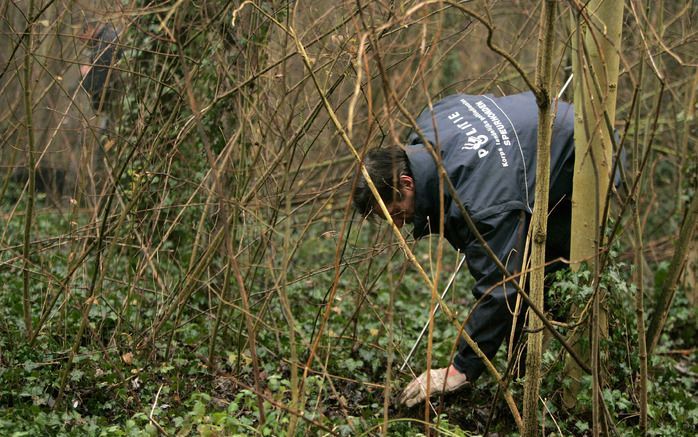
<point x="389" y="170"/>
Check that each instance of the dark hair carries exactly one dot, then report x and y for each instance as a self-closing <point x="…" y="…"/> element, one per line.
<point x="384" y="166"/>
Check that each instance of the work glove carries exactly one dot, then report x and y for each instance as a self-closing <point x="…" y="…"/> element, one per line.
<point x="416" y="391"/>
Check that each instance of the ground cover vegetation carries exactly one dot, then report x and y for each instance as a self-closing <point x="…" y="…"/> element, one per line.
<point x="178" y="250"/>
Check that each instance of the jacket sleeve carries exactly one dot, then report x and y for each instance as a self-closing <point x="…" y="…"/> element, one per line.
<point x="490" y="321"/>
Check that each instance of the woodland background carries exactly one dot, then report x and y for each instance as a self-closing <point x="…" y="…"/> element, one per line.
<point x="178" y="250"/>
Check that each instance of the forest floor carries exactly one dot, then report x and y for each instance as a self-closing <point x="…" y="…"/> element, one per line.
<point x="117" y="385"/>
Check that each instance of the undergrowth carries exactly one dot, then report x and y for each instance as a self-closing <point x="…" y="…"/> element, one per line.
<point x="116" y="389"/>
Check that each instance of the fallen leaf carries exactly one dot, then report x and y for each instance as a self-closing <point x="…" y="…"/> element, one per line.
<point x="108" y="145"/>
<point x="127" y="358"/>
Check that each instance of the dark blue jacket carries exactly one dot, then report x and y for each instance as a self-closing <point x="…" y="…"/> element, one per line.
<point x="488" y="147"/>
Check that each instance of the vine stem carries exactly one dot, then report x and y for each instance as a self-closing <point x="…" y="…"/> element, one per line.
<point x="26" y="298"/>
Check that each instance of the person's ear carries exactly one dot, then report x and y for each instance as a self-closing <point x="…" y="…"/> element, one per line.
<point x="407" y="183"/>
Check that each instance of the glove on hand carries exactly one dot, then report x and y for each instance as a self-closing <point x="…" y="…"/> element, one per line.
<point x="416" y="391"/>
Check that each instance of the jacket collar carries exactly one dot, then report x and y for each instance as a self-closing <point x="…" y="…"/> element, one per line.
<point x="426" y="180"/>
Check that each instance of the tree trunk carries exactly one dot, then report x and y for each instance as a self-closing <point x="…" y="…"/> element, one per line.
<point x="690" y="280"/>
<point x="539" y="222"/>
<point x="661" y="309"/>
<point x="596" y="47"/>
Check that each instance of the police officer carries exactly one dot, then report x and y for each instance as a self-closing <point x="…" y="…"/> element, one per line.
<point x="487" y="146"/>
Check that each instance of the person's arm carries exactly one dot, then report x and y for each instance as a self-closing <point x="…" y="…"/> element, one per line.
<point x="491" y="319"/>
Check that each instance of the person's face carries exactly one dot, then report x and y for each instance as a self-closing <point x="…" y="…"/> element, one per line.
<point x="401" y="211"/>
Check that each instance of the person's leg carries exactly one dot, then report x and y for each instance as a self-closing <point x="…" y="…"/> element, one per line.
<point x="557" y="250"/>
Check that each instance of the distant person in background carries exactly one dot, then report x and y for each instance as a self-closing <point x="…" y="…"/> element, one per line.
<point x="104" y="53"/>
<point x="488" y="146"/>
